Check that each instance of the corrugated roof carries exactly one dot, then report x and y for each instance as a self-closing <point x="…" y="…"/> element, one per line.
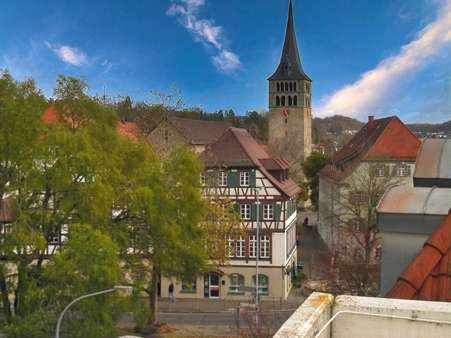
<point x="237" y="148"/>
<point x="379" y="140"/>
<point x="200" y="132"/>
<point x="428" y="276"/>
<point x="434" y="159"/>
<point x="415" y="200"/>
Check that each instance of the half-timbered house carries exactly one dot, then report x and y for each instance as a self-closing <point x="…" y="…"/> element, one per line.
<point x="239" y="169"/>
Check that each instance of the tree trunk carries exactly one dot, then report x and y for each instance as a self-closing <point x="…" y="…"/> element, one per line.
<point x="5" y="295"/>
<point x="153" y="295"/>
<point x="20" y="290"/>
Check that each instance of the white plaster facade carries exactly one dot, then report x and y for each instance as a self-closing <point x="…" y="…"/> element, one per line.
<point x="333" y="193"/>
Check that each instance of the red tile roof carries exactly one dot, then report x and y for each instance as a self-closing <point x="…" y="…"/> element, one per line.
<point x="51" y="115"/>
<point x="428" y="276"/>
<point x="380" y="139"/>
<point x="127" y="129"/>
<point x="237" y="148"/>
<point x="5" y="210"/>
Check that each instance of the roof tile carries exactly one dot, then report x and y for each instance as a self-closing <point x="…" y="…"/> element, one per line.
<point x="200" y="132"/>
<point x="237" y="148"/>
<point x="428" y="276"/>
<point x="380" y="139"/>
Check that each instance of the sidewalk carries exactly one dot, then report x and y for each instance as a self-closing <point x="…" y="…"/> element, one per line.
<point x="312" y="251"/>
<point x="218" y="305"/>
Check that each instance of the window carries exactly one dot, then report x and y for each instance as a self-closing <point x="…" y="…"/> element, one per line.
<point x="295" y="86"/>
<point x="236" y="282"/>
<point x="278" y="86"/>
<point x="283" y="100"/>
<point x="291" y="86"/>
<point x="378" y="252"/>
<point x="264" y="246"/>
<point x="263" y="284"/>
<point x="166" y="135"/>
<point x="357" y="197"/>
<point x="286" y="86"/>
<point x="244" y="179"/>
<point x="189" y="286"/>
<point x="295" y="100"/>
<point x="277" y="101"/>
<point x="245" y="211"/>
<point x="54" y="239"/>
<point x="380" y="171"/>
<point x="253" y="246"/>
<point x="222" y="178"/>
<point x="268" y="211"/>
<point x="202" y="179"/>
<point x="290" y="100"/>
<point x="240" y="243"/>
<point x="403" y="170"/>
<point x="230" y="243"/>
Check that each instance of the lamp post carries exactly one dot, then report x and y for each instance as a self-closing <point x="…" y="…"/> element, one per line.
<point x="60" y="319"/>
<point x="257" y="286"/>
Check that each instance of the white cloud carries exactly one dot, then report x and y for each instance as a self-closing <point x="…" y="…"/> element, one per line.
<point x="67" y="54"/>
<point x="227" y="61"/>
<point x="368" y="94"/>
<point x="206" y="32"/>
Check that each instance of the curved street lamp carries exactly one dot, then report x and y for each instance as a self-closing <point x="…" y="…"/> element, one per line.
<point x="60" y="319"/>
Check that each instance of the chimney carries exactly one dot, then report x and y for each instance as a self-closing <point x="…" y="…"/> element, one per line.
<point x="370" y="122"/>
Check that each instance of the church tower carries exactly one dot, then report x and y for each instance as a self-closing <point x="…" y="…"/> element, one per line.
<point x="290" y="110"/>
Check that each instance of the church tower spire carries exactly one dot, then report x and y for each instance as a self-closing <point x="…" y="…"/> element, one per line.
<point x="290" y="66"/>
<point x="290" y="112"/>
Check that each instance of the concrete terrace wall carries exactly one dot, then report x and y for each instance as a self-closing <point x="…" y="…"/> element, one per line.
<point x="359" y="325"/>
<point x="314" y="313"/>
<point x="311" y="316"/>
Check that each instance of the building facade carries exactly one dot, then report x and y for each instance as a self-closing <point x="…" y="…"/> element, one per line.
<point x="290" y="102"/>
<point x="382" y="153"/>
<point x="240" y="170"/>
<point x="173" y="132"/>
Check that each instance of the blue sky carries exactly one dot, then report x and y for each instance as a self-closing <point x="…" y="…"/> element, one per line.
<point x="365" y="57"/>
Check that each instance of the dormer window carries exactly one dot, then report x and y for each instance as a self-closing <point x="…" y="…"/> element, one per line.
<point x="222" y="178"/>
<point x="244" y="179"/>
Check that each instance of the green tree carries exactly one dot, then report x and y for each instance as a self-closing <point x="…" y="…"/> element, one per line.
<point x="125" y="109"/>
<point x="21" y="106"/>
<point x="66" y="178"/>
<point x="314" y="163"/>
<point x="172" y="230"/>
<point x="88" y="262"/>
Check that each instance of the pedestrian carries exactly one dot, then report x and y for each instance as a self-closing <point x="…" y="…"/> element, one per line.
<point x="171" y="292"/>
<point x="305" y="223"/>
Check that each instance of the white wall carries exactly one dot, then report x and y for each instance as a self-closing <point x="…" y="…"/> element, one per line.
<point x="349" y="325"/>
<point x="313" y="314"/>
